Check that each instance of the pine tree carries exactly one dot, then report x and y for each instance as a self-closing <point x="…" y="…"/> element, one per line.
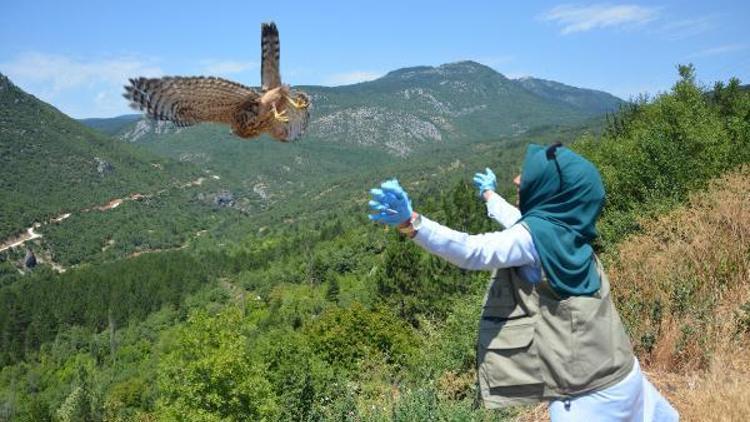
<point x="78" y="406"/>
<point x="332" y="292"/>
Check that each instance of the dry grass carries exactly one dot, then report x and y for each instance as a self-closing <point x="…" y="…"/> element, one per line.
<point x="683" y="289"/>
<point x="455" y="385"/>
<point x="719" y="393"/>
<point x="680" y="287"/>
<point x="538" y="413"/>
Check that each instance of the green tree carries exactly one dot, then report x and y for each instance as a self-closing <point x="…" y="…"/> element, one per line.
<point x="399" y="283"/>
<point x="332" y="292"/>
<point x="345" y="336"/>
<point x="207" y="373"/>
<point x="78" y="406"/>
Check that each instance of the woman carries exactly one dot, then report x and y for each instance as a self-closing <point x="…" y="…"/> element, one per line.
<point x="548" y="330"/>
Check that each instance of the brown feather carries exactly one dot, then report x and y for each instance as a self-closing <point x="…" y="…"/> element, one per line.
<point x="190" y="100"/>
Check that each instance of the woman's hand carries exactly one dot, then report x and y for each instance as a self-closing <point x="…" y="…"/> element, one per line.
<point x="485" y="182"/>
<point x="390" y="204"/>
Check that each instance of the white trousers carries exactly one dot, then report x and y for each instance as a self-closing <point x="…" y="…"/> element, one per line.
<point x="632" y="399"/>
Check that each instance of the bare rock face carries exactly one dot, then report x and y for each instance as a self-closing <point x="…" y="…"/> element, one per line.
<point x="103" y="167"/>
<point x="146" y="126"/>
<point x="224" y="199"/>
<point x="29" y="261"/>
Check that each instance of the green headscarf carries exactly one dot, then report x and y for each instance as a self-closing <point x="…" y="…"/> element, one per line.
<point x="561" y="197"/>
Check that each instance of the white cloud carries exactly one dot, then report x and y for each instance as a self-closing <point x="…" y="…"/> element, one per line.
<point x="716" y="51"/>
<point x="227" y="67"/>
<point x="60" y="73"/>
<point x="93" y="87"/>
<point x="684" y="28"/>
<point x="574" y="18"/>
<point x="78" y="87"/>
<point x="353" y="77"/>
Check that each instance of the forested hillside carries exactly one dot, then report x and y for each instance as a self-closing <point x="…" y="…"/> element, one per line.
<point x="333" y="318"/>
<point x="88" y="197"/>
<point x="51" y="164"/>
<point x="584" y="99"/>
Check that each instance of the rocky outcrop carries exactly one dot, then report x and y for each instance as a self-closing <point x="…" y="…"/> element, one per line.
<point x="103" y="167"/>
<point x="29" y="261"/>
<point x="224" y="198"/>
<point x="147" y="126"/>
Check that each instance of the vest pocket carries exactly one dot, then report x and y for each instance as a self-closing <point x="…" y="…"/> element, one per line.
<point x="507" y="355"/>
<point x="500" y="302"/>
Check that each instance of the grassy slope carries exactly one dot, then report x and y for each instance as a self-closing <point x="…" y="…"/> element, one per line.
<point x="683" y="289"/>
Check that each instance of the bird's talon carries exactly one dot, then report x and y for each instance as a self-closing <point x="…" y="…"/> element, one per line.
<point x="297" y="103"/>
<point x="280" y="116"/>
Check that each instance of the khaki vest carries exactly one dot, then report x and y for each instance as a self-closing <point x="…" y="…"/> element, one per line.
<point x="534" y="345"/>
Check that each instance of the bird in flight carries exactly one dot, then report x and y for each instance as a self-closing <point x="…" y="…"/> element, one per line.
<point x="275" y="108"/>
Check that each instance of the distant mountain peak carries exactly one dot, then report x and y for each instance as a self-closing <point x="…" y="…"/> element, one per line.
<point x="460" y="68"/>
<point x="466" y="65"/>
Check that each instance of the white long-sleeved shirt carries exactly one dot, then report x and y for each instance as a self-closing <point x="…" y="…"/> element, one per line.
<point x="512" y="247"/>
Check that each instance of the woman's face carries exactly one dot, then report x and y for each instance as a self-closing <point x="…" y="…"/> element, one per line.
<point x="517" y="182"/>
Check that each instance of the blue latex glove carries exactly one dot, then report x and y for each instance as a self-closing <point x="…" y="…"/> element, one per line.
<point x="485" y="181"/>
<point x="390" y="204"/>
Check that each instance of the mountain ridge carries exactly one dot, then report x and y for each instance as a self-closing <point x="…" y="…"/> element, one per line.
<point x="574" y="96"/>
<point x="423" y="106"/>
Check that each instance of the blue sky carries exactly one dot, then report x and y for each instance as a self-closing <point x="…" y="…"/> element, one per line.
<point x="78" y="54"/>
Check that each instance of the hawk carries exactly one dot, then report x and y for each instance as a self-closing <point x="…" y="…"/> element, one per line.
<point x="275" y="109"/>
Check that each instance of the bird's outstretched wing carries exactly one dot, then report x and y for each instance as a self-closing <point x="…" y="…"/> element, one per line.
<point x="270" y="76"/>
<point x="190" y="100"/>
